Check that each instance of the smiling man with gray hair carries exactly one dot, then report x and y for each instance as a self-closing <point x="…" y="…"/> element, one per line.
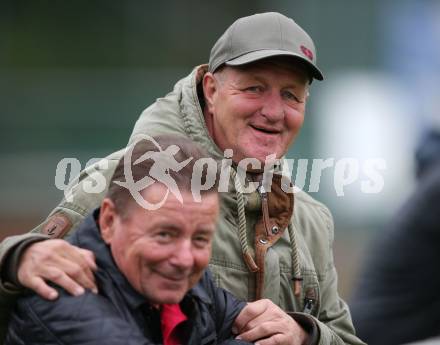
<point x="245" y="107"/>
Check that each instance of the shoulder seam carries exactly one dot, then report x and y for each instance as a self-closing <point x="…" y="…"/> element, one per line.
<point x="75" y="208"/>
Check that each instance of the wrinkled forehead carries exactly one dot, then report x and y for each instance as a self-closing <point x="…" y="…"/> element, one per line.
<point x="290" y="65"/>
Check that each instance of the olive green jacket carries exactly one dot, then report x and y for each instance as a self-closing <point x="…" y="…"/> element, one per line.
<point x="309" y="239"/>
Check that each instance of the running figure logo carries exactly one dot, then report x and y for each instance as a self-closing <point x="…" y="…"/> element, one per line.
<point x="164" y="162"/>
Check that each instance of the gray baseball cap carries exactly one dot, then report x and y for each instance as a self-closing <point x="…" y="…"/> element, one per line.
<point x="261" y="36"/>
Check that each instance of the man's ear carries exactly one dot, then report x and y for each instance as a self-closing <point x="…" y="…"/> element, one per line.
<point x="107" y="218"/>
<point x="210" y="89"/>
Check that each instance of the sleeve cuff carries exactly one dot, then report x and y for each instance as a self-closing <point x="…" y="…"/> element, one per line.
<point x="10" y="266"/>
<point x="309" y="325"/>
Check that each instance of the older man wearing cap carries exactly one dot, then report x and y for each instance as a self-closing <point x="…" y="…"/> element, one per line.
<point x="246" y="106"/>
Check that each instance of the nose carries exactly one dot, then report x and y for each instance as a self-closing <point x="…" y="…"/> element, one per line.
<point x="182" y="256"/>
<point x="273" y="108"/>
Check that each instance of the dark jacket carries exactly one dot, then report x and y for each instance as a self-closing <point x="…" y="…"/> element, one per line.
<point x="119" y="314"/>
<point x="397" y="299"/>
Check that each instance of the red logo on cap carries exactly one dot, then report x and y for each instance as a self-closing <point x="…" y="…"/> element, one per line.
<point x="307" y="52"/>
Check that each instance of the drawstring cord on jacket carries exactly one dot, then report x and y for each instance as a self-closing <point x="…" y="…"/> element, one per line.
<point x="250" y="262"/>
<point x="242" y="224"/>
<point x="295" y="262"/>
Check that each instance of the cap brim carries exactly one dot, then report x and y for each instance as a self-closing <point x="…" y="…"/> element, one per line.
<point x="262" y="54"/>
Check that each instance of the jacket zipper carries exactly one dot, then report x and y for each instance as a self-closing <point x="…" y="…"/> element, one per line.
<point x="309" y="301"/>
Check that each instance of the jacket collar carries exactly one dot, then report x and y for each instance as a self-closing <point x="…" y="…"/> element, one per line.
<point x="88" y="237"/>
<point x="199" y="291"/>
<point x="192" y="112"/>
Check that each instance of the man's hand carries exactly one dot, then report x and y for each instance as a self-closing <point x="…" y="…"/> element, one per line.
<point x="266" y="324"/>
<point x="59" y="262"/>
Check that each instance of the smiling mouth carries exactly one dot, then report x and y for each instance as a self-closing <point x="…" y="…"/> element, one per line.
<point x="173" y="277"/>
<point x="265" y="130"/>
